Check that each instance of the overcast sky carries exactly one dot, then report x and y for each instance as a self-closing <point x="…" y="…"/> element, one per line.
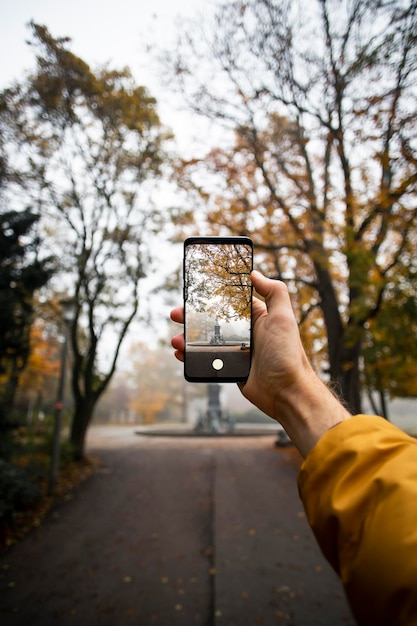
<point x="101" y="31"/>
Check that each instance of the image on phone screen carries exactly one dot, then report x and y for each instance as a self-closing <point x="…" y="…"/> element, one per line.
<point x="218" y="306"/>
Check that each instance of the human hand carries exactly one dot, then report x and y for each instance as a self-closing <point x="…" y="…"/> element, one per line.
<point x="278" y="359"/>
<point x="267" y="362"/>
<point x="178" y="342"/>
<point x="281" y="381"/>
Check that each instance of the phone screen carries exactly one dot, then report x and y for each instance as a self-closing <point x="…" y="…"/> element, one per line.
<point x="217" y="308"/>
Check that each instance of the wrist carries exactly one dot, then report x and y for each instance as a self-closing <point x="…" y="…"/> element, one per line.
<point x="307" y="410"/>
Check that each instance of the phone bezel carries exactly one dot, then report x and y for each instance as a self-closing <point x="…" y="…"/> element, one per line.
<point x="238" y="239"/>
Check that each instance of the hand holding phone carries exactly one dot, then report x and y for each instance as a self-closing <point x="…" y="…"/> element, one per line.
<point x="217" y="308"/>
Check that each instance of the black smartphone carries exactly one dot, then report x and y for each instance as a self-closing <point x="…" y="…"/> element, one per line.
<point x="217" y="308"/>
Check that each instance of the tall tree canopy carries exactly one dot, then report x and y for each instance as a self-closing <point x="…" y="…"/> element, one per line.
<point x="321" y="99"/>
<point x="86" y="145"/>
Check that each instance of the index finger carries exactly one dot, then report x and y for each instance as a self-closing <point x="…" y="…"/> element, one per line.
<point x="177" y="315"/>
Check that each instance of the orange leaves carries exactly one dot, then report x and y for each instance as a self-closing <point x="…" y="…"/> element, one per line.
<point x="152" y="383"/>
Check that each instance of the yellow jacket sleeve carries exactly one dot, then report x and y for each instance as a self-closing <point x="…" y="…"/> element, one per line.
<point x="359" y="489"/>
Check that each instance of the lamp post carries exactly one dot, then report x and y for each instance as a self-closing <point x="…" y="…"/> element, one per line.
<point x="68" y="312"/>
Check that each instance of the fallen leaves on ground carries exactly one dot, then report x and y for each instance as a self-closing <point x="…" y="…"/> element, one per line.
<point x="72" y="475"/>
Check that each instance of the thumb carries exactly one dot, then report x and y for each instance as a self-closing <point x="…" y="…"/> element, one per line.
<point x="274" y="292"/>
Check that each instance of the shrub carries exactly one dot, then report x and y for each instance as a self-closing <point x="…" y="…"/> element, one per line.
<point x="17" y="491"/>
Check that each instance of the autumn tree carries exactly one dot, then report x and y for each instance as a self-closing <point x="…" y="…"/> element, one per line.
<point x="319" y="100"/>
<point x="88" y="145"/>
<point x="150" y="388"/>
<point x="217" y="280"/>
<point x="38" y="383"/>
<point x="390" y="343"/>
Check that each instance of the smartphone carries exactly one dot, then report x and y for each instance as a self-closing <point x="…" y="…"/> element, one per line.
<point x="217" y="308"/>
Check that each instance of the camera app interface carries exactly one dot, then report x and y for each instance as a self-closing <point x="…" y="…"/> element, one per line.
<point x="217" y="293"/>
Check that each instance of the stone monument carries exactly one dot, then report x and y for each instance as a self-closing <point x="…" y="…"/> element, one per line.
<point x="214" y="420"/>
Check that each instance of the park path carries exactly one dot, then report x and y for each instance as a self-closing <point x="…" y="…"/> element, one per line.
<point x="175" y="531"/>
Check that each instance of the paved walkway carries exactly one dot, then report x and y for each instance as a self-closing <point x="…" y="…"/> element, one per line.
<point x="175" y="531"/>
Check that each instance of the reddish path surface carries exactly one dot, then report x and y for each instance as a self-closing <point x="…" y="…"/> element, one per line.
<point x="175" y="531"/>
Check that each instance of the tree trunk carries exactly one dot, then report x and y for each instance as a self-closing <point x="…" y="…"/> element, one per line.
<point x="384" y="407"/>
<point x="343" y="360"/>
<point x="372" y="401"/>
<point x="83" y="414"/>
<point x="350" y="379"/>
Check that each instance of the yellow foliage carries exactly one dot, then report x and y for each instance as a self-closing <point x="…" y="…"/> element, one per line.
<point x="44" y="359"/>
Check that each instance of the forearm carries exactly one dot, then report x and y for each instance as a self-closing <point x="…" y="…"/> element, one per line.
<point x="307" y="410"/>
